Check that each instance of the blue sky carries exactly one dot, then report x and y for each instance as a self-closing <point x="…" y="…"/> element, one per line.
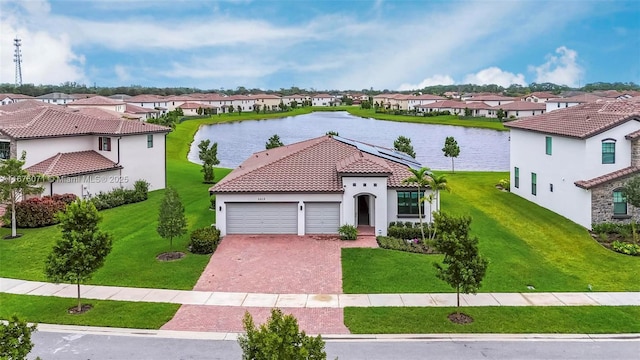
<point x="340" y="44"/>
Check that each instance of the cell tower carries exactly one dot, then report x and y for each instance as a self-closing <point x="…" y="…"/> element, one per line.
<point x="17" y="58"/>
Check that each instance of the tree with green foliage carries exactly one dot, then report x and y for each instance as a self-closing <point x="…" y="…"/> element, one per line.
<point x="467" y="111"/>
<point x="462" y="267"/>
<point x="256" y="108"/>
<point x="451" y="149"/>
<point x="403" y="144"/>
<point x="82" y="249"/>
<point x="500" y="114"/>
<point x="15" y="184"/>
<point x="631" y="193"/>
<point x="420" y="178"/>
<point x="239" y="110"/>
<point x="293" y="104"/>
<point x="172" y="221"/>
<point x="209" y="157"/>
<point x="231" y="109"/>
<point x="273" y="142"/>
<point x="332" y="133"/>
<point x="15" y="339"/>
<point x="279" y="338"/>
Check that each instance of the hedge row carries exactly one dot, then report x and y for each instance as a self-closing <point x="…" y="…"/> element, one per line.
<point x="119" y="196"/>
<point x="39" y="212"/>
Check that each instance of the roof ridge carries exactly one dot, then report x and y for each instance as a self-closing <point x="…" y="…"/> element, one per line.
<point x="51" y="166"/>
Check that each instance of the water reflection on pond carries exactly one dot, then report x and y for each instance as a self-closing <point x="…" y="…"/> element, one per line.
<point x="480" y="149"/>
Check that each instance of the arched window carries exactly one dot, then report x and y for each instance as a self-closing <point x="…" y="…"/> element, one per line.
<point x="619" y="202"/>
<point x="608" y="151"/>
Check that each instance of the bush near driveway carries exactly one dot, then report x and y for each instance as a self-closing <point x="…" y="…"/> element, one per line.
<point x="204" y="240"/>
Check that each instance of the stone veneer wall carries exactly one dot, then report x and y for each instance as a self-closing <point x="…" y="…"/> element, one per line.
<point x="635" y="152"/>
<point x="602" y="204"/>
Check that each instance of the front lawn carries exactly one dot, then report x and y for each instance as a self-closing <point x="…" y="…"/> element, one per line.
<point x="498" y="319"/>
<point x="527" y="245"/>
<point x="53" y="310"/>
<point x="487" y="123"/>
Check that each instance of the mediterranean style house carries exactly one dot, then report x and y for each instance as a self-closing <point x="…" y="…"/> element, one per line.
<point x="315" y="186"/>
<point x="575" y="161"/>
<point x="80" y="153"/>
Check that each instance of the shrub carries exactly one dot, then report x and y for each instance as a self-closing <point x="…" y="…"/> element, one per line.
<point x="505" y="184"/>
<point x="39" y="212"/>
<point x="626" y="248"/>
<point x="611" y="228"/>
<point x="409" y="224"/>
<point x="120" y="196"/>
<point x="141" y="187"/>
<point x="204" y="240"/>
<point x="413" y="245"/>
<point x="348" y="232"/>
<point x="408" y="232"/>
<point x="15" y="338"/>
<point x="393" y="223"/>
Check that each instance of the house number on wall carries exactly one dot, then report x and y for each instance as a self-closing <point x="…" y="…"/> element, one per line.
<point x="261" y="199"/>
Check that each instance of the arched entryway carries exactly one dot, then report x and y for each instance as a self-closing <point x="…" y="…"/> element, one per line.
<point x="365" y="205"/>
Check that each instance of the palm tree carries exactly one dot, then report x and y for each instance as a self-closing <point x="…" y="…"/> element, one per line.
<point x="420" y="178"/>
<point x="437" y="183"/>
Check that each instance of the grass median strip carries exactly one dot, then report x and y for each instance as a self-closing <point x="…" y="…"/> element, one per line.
<point x="499" y="320"/>
<point x="53" y="310"/>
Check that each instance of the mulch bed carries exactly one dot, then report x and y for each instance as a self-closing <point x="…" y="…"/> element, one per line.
<point x="606" y="242"/>
<point x="170" y="256"/>
<point x="83" y="309"/>
<point x="460" y="318"/>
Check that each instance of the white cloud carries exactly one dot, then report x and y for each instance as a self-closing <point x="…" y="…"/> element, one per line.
<point x="430" y="81"/>
<point x="494" y="75"/>
<point x="562" y="69"/>
<point x="122" y="73"/>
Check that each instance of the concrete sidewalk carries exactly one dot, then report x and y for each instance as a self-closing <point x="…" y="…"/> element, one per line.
<point x="186" y="297"/>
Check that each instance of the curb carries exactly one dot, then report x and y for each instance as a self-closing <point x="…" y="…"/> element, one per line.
<point x="231" y="336"/>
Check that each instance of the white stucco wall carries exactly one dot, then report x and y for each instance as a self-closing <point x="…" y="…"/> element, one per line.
<point x="42" y="149"/>
<point x="139" y="161"/>
<point x="84" y="185"/>
<point x="571" y="160"/>
<point x="376" y="186"/>
<point x="300" y="198"/>
<point x="392" y="207"/>
<point x="559" y="105"/>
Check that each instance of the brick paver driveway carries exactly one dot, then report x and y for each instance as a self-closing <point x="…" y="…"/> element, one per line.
<point x="278" y="264"/>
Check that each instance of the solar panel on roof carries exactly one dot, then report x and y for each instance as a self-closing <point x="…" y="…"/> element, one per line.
<point x="395" y="156"/>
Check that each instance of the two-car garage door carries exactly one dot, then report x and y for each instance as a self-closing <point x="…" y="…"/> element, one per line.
<point x="262" y="218"/>
<point x="282" y="218"/>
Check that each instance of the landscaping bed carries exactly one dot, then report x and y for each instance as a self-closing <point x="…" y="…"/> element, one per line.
<point x="617" y="237"/>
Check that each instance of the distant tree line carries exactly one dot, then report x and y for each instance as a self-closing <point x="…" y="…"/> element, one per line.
<point x="132" y="90"/>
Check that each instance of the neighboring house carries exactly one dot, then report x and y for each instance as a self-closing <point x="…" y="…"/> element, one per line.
<point x="149" y="102"/>
<point x="538" y="97"/>
<point x="245" y="102"/>
<point x="6" y="99"/>
<point x="521" y="109"/>
<point x="423" y="99"/>
<point x="83" y="154"/>
<point x="562" y="103"/>
<point x="269" y="100"/>
<point x="575" y="161"/>
<point x="315" y="186"/>
<point x="143" y="114"/>
<point x="492" y="100"/>
<point x="57" y="98"/>
<point x="174" y="101"/>
<point x="100" y="102"/>
<point x="191" y="108"/>
<point x="287" y="100"/>
<point x="322" y="100"/>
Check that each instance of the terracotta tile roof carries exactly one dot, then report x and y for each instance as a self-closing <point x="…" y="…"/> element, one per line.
<point x="427" y="97"/>
<point x="362" y="163"/>
<point x="522" y="105"/>
<point x="74" y="163"/>
<point x="492" y="98"/>
<point x="179" y="98"/>
<point x="295" y="96"/>
<point x="99" y="113"/>
<point x="193" y="105"/>
<point x="134" y="109"/>
<point x="145" y="99"/>
<point x="15" y="96"/>
<point x="322" y="96"/>
<point x="56" y="95"/>
<point x="307" y="166"/>
<point x="541" y="95"/>
<point x="588" y="184"/>
<point x="581" y="121"/>
<point x="580" y="99"/>
<point x="265" y="96"/>
<point x="24" y="105"/>
<point x="57" y="121"/>
<point x="96" y="100"/>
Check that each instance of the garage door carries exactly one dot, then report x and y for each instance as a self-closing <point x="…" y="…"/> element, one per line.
<point x="262" y="218"/>
<point x="322" y="218"/>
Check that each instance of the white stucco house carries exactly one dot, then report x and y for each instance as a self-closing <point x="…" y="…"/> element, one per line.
<point x="563" y="103"/>
<point x="575" y="161"/>
<point x="82" y="154"/>
<point x="315" y="186"/>
<point x="422" y="99"/>
<point x="56" y="98"/>
<point x="6" y="99"/>
<point x="322" y="100"/>
<point x="520" y="109"/>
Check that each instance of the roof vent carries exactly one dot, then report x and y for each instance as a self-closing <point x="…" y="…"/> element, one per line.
<point x="588" y="117"/>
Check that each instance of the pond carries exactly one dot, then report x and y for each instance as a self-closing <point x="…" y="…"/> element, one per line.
<point x="480" y="149"/>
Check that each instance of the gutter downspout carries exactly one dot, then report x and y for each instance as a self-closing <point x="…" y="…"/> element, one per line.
<point x="118" y="163"/>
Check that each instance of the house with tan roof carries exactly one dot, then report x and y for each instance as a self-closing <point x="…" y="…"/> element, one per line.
<point x="6" y="99"/>
<point x="575" y="161"/>
<point x="83" y="153"/>
<point x="287" y="100"/>
<point x="149" y="102"/>
<point x="565" y="102"/>
<point x="422" y="99"/>
<point x="491" y="100"/>
<point x="315" y="186"/>
<point x="100" y="102"/>
<point x="269" y="100"/>
<point x="191" y="108"/>
<point x="520" y="109"/>
<point x="538" y="97"/>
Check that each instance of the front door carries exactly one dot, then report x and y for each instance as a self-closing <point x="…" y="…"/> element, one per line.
<point x="363" y="210"/>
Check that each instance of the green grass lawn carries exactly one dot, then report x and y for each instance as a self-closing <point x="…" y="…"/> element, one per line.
<point x="526" y="245"/>
<point x="531" y="320"/>
<point x="53" y="310"/>
<point x="493" y="124"/>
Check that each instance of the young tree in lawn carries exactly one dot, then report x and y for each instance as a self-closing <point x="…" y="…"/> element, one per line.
<point x="209" y="157"/>
<point x="420" y="178"/>
<point x="500" y="114"/>
<point x="403" y="144"/>
<point x="82" y="249"/>
<point x="273" y="142"/>
<point x="15" y="183"/>
<point x="451" y="149"/>
<point x="171" y="220"/>
<point x="279" y="338"/>
<point x="463" y="267"/>
<point x="239" y="110"/>
<point x="631" y="192"/>
<point x="231" y="109"/>
<point x="15" y="339"/>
